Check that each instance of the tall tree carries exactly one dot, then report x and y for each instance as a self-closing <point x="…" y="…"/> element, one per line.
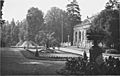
<point x="74" y="15"/>
<point x="23" y="30"/>
<point x="2" y="42"/>
<point x="8" y="31"/>
<point x="35" y="21"/>
<point x="12" y="34"/>
<point x="114" y="7"/>
<point x="107" y="22"/>
<point x="5" y="34"/>
<point x="57" y="21"/>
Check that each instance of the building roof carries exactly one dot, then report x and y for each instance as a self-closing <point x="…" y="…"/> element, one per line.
<point x="86" y="21"/>
<point x="83" y="23"/>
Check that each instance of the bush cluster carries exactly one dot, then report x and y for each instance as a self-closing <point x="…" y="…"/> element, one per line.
<point x="82" y="66"/>
<point x="113" y="65"/>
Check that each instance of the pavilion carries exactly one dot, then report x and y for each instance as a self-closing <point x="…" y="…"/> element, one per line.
<point x="80" y="33"/>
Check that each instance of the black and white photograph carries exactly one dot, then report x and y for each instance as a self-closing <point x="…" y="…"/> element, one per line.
<point x="59" y="37"/>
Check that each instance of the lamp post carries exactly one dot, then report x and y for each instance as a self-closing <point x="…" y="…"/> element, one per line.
<point x="62" y="30"/>
<point x="68" y="39"/>
<point x="28" y="16"/>
<point x="27" y="29"/>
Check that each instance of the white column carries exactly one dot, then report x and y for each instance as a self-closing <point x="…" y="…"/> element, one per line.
<point x="77" y="36"/>
<point x="74" y="38"/>
<point x="80" y="38"/>
<point x="82" y="33"/>
<point x="85" y="38"/>
<point x="85" y="35"/>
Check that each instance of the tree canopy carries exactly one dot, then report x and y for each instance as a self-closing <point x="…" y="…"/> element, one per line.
<point x="73" y="11"/>
<point x="35" y="22"/>
<point x="46" y="38"/>
<point x="56" y="20"/>
<point x="107" y="23"/>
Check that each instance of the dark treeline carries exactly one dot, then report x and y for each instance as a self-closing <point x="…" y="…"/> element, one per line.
<point x="107" y="23"/>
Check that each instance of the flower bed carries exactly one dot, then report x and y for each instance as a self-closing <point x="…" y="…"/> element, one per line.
<point x="53" y="56"/>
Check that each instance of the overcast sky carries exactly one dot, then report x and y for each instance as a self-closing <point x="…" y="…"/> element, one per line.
<point x="17" y="9"/>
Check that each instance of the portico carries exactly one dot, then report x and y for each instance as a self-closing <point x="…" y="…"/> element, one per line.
<point x="80" y="36"/>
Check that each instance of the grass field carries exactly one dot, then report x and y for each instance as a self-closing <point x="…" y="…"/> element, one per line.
<point x="13" y="62"/>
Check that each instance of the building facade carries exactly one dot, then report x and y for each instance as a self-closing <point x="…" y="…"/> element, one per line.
<point x="80" y="34"/>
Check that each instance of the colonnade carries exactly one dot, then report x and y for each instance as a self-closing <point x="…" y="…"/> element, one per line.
<point x="80" y="38"/>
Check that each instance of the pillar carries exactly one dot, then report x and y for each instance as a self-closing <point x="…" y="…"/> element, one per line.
<point x="77" y="36"/>
<point x="74" y="38"/>
<point x="81" y="38"/>
<point x="82" y="35"/>
<point x="85" y="38"/>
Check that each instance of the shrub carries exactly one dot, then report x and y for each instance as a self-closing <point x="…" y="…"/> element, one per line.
<point x="80" y="66"/>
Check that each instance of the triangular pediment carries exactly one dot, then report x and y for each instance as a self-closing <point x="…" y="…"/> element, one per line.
<point x="83" y="23"/>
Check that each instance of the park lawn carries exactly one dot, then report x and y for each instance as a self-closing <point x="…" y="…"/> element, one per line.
<point x="31" y="69"/>
<point x="14" y="63"/>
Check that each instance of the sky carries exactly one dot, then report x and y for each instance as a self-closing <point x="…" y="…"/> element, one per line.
<point x="17" y="9"/>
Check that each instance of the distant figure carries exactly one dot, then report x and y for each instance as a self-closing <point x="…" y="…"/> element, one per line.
<point x="24" y="47"/>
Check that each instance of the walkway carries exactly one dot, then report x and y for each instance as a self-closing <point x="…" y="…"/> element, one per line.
<point x="73" y="50"/>
<point x="81" y="51"/>
<point x="70" y="49"/>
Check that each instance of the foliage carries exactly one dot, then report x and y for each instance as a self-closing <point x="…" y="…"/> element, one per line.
<point x="22" y="30"/>
<point x="74" y="12"/>
<point x="113" y="65"/>
<point x="46" y="38"/>
<point x="57" y="21"/>
<point x="1" y="5"/>
<point x="107" y="25"/>
<point x="74" y="16"/>
<point x="34" y="22"/>
<point x="29" y="28"/>
<point x="112" y="4"/>
<point x="14" y="33"/>
<point x="74" y="66"/>
<point x="79" y="66"/>
<point x="10" y="33"/>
